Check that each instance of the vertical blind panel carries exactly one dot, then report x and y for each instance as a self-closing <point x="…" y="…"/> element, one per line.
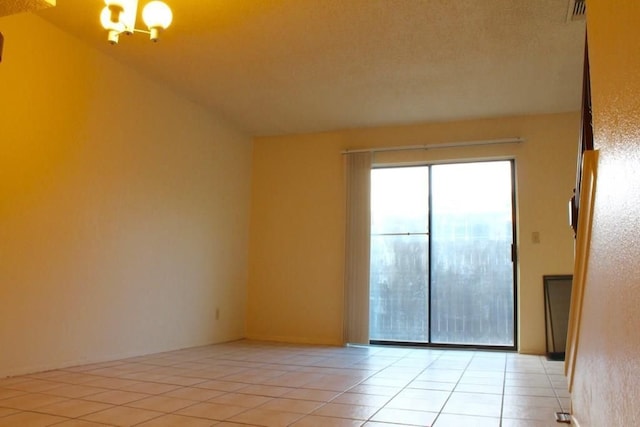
<point x="356" y="324"/>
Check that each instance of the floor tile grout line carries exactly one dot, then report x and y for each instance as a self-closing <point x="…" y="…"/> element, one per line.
<point x="555" y="392"/>
<point x="342" y="364"/>
<point x="435" y="420"/>
<point x="403" y="388"/>
<point x="504" y="386"/>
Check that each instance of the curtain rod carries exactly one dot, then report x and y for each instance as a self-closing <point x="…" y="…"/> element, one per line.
<point x="436" y="146"/>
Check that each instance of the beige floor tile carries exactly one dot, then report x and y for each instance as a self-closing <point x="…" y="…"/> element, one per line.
<point x="525" y="412"/>
<point x="73" y="408"/>
<point x="487" y="405"/>
<point x="182" y="381"/>
<point x="388" y="382"/>
<point x="6" y="393"/>
<point x="116" y="397"/>
<point x="144" y="376"/>
<point x="222" y="385"/>
<point x="172" y="420"/>
<point x="310" y="394"/>
<point x="151" y="388"/>
<point x="506" y="422"/>
<point x="122" y="416"/>
<point x="7" y="411"/>
<point x="338" y="410"/>
<point x="375" y="389"/>
<point x="79" y="423"/>
<point x="441" y="375"/>
<point x="266" y="390"/>
<point x="74" y="391"/>
<point x="6" y="382"/>
<point x="30" y="401"/>
<point x="291" y="405"/>
<point x="264" y="417"/>
<point x="35" y="386"/>
<point x="229" y="424"/>
<point x="111" y="383"/>
<point x="333" y="384"/>
<point x="452" y="420"/>
<point x="485" y="381"/>
<point x="73" y="377"/>
<point x="161" y="403"/>
<point x="522" y="382"/>
<point x="477" y="388"/>
<point x="194" y="393"/>
<point x="403" y="416"/>
<point x="413" y="403"/>
<point x="385" y="424"/>
<point x="529" y="391"/>
<point x="239" y="399"/>
<point x="212" y="411"/>
<point x="319" y="421"/>
<point x="432" y="385"/>
<point x="432" y="395"/>
<point x="30" y="419"/>
<point x="361" y="399"/>
<point x="540" y="401"/>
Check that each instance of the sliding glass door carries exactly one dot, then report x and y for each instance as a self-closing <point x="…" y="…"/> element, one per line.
<point x="399" y="303"/>
<point x="442" y="269"/>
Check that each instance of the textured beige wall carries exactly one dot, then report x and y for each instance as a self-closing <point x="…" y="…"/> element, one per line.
<point x="607" y="369"/>
<point x="123" y="209"/>
<point x="298" y="208"/>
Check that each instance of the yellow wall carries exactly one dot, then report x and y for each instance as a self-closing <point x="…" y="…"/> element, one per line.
<point x="296" y="261"/>
<point x="123" y="209"/>
<point x="606" y="390"/>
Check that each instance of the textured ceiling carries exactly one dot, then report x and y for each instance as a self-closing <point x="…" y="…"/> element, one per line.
<point x="9" y="7"/>
<point x="296" y="66"/>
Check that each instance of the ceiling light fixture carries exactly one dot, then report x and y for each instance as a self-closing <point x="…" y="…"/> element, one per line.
<point x="119" y="16"/>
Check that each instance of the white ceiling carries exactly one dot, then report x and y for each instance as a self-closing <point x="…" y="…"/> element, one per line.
<point x="298" y="66"/>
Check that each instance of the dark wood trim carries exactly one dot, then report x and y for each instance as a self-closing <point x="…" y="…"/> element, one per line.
<point x="585" y="140"/>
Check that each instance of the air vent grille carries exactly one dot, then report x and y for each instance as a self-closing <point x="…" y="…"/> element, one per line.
<point x="577" y="10"/>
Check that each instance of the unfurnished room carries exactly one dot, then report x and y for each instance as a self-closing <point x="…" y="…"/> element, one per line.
<point x="319" y="213"/>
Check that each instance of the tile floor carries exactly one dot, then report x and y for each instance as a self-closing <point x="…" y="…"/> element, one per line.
<point x="249" y="383"/>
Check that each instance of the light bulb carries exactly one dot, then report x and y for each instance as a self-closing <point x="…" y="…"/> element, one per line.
<point x="156" y="15"/>
<point x="107" y="23"/>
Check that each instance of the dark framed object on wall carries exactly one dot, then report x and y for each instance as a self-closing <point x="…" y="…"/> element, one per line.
<point x="557" y="302"/>
<point x="585" y="141"/>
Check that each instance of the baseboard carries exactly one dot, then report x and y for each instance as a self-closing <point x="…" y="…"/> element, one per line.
<point x="32" y="369"/>
<point x="294" y="340"/>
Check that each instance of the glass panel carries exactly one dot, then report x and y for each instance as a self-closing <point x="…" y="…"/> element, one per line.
<point x="472" y="272"/>
<point x="399" y="202"/>
<point x="399" y="254"/>
<point x="398" y="304"/>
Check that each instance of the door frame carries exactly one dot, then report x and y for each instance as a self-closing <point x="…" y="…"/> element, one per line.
<point x="514" y="259"/>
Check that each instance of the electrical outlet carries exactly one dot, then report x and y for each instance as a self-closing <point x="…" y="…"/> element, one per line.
<point x="535" y="237"/>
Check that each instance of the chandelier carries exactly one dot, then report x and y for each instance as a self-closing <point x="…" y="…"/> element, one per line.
<point x="119" y="16"/>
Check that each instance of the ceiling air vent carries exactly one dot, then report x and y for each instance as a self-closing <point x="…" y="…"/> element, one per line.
<point x="577" y="10"/>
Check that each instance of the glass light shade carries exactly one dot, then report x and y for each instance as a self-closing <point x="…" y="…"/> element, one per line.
<point x="128" y="17"/>
<point x="117" y="3"/>
<point x="157" y="14"/>
<point x="108" y="24"/>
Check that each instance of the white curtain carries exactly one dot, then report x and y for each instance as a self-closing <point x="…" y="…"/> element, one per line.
<point x="358" y="233"/>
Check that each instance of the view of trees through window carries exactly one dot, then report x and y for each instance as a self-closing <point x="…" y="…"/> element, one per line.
<point x="468" y="296"/>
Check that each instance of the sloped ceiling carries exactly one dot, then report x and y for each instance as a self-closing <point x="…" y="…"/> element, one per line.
<point x="297" y="66"/>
